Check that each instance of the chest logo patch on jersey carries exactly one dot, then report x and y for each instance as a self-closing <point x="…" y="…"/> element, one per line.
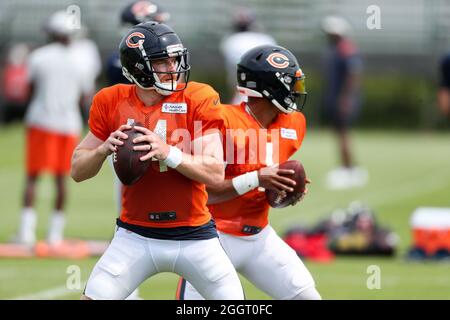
<point x="289" y="134"/>
<point x="174" y="107"/>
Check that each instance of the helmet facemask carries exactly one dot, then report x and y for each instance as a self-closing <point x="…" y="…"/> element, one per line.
<point x="170" y="85"/>
<point x="147" y="77"/>
<point x="295" y="97"/>
<point x="286" y="91"/>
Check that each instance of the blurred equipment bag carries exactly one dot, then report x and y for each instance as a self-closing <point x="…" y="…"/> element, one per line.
<point x="351" y="231"/>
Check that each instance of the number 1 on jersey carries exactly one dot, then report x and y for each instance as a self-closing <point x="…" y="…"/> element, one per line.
<point x="161" y="131"/>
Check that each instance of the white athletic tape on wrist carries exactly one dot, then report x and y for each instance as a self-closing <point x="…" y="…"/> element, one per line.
<point x="245" y="182"/>
<point x="174" y="158"/>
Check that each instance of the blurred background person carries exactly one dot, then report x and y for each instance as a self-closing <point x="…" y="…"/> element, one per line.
<point x="53" y="123"/>
<point x="444" y="89"/>
<point x="245" y="36"/>
<point x="86" y="54"/>
<point x="15" y="89"/>
<point x="133" y="14"/>
<point x="343" y="65"/>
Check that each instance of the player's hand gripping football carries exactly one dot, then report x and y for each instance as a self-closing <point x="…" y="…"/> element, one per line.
<point x="301" y="195"/>
<point x="156" y="147"/>
<point x="273" y="178"/>
<point x="110" y="145"/>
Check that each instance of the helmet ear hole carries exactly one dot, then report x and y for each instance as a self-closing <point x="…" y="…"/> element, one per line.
<point x="258" y="57"/>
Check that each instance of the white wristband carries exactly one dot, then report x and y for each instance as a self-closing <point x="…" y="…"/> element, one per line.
<point x="174" y="158"/>
<point x="245" y="182"/>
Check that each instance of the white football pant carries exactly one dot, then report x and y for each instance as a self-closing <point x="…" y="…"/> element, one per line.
<point x="267" y="262"/>
<point x="130" y="259"/>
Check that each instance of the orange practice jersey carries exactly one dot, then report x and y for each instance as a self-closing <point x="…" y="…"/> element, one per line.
<point x="246" y="154"/>
<point x="162" y="191"/>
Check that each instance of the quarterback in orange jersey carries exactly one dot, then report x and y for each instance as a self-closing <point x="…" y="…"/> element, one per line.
<point x="165" y="225"/>
<point x="274" y="129"/>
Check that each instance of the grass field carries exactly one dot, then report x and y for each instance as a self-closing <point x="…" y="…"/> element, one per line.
<point x="407" y="170"/>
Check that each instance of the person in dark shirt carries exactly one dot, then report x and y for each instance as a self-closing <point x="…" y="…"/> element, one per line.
<point x="343" y="65"/>
<point x="444" y="87"/>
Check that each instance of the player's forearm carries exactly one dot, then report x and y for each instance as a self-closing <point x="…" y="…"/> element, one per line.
<point x="86" y="163"/>
<point x="220" y="192"/>
<point x="233" y="188"/>
<point x="206" y="166"/>
<point x="204" y="169"/>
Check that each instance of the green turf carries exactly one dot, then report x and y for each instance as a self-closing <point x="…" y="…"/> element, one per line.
<point x="407" y="170"/>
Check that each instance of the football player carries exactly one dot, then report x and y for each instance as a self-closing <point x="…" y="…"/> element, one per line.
<point x="53" y="124"/>
<point x="273" y="81"/>
<point x="134" y="13"/>
<point x="165" y="225"/>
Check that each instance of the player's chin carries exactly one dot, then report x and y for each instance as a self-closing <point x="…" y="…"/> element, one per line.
<point x="167" y="81"/>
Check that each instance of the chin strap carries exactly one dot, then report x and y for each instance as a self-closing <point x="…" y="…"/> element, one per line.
<point x="276" y="103"/>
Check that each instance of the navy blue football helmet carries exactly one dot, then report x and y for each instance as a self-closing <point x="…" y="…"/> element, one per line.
<point x="144" y="44"/>
<point x="274" y="73"/>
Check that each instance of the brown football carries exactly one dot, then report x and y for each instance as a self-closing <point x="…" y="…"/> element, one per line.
<point x="275" y="199"/>
<point x="128" y="167"/>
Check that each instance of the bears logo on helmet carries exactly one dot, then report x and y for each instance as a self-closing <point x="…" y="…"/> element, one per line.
<point x="278" y="60"/>
<point x="133" y="44"/>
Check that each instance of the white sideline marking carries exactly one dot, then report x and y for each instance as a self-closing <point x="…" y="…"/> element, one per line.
<point x="49" y="294"/>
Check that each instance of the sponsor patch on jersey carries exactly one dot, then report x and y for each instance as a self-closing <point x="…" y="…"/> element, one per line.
<point x="168" y="107"/>
<point x="289" y="134"/>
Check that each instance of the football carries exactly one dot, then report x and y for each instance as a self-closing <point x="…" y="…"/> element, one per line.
<point x="126" y="161"/>
<point x="277" y="200"/>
